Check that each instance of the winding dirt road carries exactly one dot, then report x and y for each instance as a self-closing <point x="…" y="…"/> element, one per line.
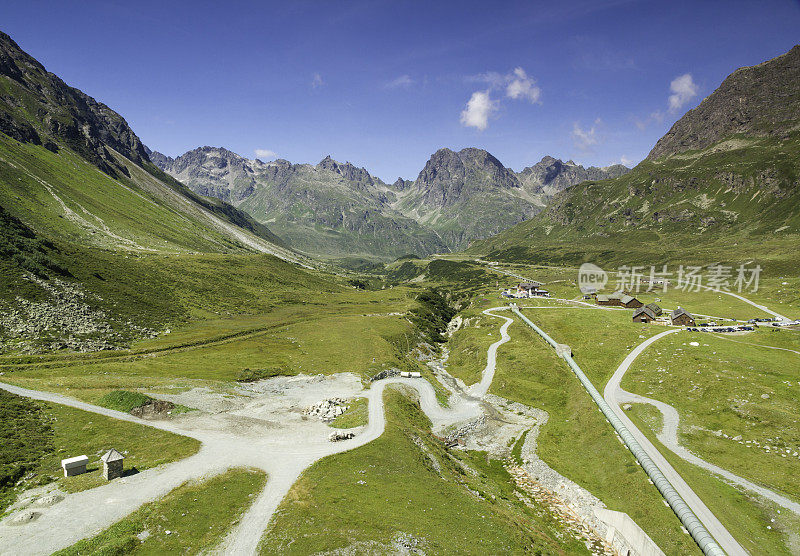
<point x="284" y="453"/>
<point x="615" y="395"/>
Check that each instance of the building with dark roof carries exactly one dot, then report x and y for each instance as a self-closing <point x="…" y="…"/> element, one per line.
<point x="655" y="308"/>
<point x="643" y="314"/>
<point x="681" y="317"/>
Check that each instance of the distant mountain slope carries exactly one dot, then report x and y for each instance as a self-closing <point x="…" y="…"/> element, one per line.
<point x="331" y="209"/>
<point x="73" y="169"/>
<point x="466" y="195"/>
<point x="550" y="175"/>
<point x="336" y="209"/>
<point x="757" y="101"/>
<point x="730" y="192"/>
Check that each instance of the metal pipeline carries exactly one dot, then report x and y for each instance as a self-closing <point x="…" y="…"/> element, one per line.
<point x="689" y="520"/>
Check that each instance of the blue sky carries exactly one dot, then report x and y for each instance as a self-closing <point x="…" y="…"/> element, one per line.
<point x="385" y="84"/>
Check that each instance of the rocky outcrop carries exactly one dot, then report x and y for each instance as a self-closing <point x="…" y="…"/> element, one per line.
<point x="448" y="176"/>
<point x="68" y="318"/>
<point x="357" y="177"/>
<point x="762" y="100"/>
<point x="551" y="175"/>
<point x="54" y="113"/>
<point x="327" y="410"/>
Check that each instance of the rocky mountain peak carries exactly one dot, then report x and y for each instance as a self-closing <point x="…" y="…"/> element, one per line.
<point x="401" y="185"/>
<point x="551" y="175"/>
<point x="348" y="171"/>
<point x="53" y="113"/>
<point x="449" y="174"/>
<point x="761" y="100"/>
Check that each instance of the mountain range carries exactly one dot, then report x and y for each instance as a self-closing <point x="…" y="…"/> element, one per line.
<point x="723" y="183"/>
<point x="335" y="209"/>
<point x="72" y="169"/>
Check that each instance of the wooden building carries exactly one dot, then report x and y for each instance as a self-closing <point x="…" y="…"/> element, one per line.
<point x="655" y="308"/>
<point x="681" y="317"/>
<point x="630" y="302"/>
<point x="643" y="314"/>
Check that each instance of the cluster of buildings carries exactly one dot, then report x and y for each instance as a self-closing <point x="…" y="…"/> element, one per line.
<point x="619" y="299"/>
<point x="527" y="289"/>
<point x="645" y="313"/>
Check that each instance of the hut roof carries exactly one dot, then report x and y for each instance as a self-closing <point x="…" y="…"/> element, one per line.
<point x="602" y="297"/>
<point x="681" y="311"/>
<point x="616" y="295"/>
<point x="655" y="308"/>
<point x="649" y="312"/>
<point x="626" y="299"/>
<point x="112" y="455"/>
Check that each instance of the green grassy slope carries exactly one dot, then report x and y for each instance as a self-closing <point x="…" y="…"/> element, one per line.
<point x="733" y="202"/>
<point x="722" y="186"/>
<point x="369" y="499"/>
<point x="191" y="519"/>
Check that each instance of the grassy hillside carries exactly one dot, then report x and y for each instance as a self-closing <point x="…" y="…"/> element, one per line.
<point x="191" y="519"/>
<point x="736" y="201"/>
<point x="722" y="186"/>
<point x="405" y="490"/>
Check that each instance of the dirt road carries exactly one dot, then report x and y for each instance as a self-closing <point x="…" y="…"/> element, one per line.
<point x="263" y="431"/>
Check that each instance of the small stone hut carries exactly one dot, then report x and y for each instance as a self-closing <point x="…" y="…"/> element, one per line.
<point x="112" y="464"/>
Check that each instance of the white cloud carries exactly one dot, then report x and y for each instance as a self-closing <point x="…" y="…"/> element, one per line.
<point x="403" y="81"/>
<point x="625" y="161"/>
<point x="515" y="85"/>
<point x="523" y="87"/>
<point x="317" y="81"/>
<point x="584" y="139"/>
<point x="657" y="116"/>
<point x="479" y="107"/>
<point x="494" y="79"/>
<point x="683" y="90"/>
<point x="265" y="154"/>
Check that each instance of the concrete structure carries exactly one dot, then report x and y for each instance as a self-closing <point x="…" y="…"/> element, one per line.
<point x="74" y="466"/>
<point x="621" y="525"/>
<point x="112" y="464"/>
<point x="681" y="317"/>
<point x="643" y="314"/>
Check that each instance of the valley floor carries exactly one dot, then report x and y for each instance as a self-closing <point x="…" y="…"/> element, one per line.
<point x="506" y="406"/>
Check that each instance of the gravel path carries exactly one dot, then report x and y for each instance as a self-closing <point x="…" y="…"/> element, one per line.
<point x="615" y="395"/>
<point x="611" y="394"/>
<point x="266" y="432"/>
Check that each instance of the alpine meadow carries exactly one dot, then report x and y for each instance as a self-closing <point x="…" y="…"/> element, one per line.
<point x="571" y="325"/>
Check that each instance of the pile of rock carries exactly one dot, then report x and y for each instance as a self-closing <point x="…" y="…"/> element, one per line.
<point x="327" y="410"/>
<point x="454" y="437"/>
<point x="590" y="531"/>
<point x="386" y="373"/>
<point x="336" y="436"/>
<point x="69" y="318"/>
